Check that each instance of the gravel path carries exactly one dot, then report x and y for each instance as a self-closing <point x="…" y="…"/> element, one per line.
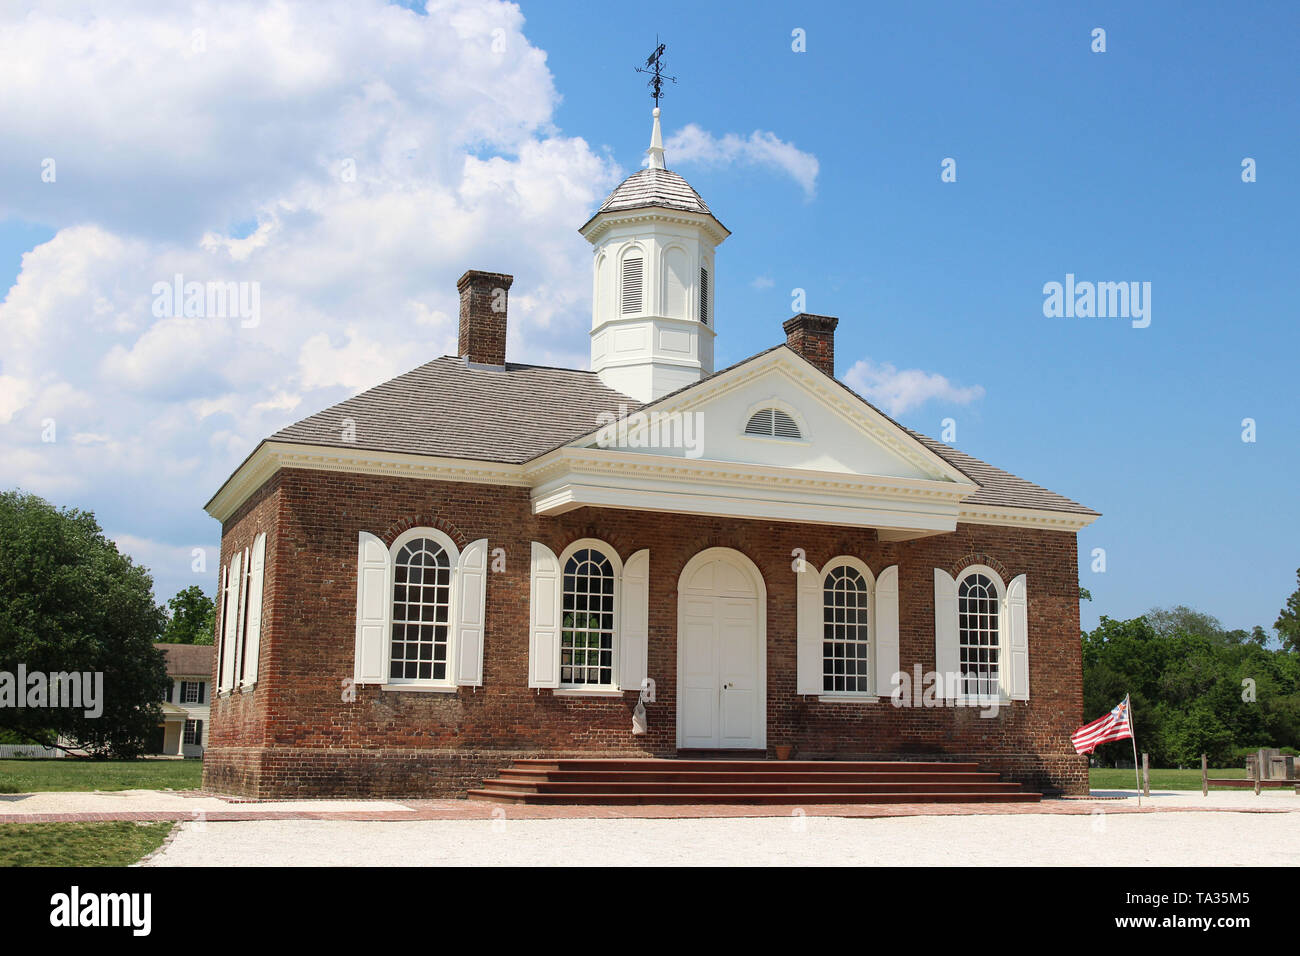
<point x="1165" y="839"/>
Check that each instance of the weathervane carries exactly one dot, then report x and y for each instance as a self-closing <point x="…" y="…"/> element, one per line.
<point x="654" y="66"/>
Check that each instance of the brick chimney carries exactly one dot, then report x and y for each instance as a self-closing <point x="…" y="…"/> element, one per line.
<point x="813" y="337"/>
<point x="483" y="297"/>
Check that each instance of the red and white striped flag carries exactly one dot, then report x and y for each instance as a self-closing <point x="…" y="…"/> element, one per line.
<point x="1114" y="726"/>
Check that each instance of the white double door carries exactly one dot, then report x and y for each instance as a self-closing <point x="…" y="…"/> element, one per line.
<point x="721" y="674"/>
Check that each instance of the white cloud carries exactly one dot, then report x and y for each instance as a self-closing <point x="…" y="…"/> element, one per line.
<point x="225" y="164"/>
<point x="691" y="144"/>
<point x="763" y="282"/>
<point x="14" y="394"/>
<point x="898" y="390"/>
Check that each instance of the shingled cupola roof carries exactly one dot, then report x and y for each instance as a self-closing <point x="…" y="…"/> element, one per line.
<point x="658" y="188"/>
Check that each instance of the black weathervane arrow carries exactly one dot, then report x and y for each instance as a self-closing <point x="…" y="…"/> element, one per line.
<point x="654" y="66"/>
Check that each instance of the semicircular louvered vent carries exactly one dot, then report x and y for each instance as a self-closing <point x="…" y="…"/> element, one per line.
<point x="772" y="423"/>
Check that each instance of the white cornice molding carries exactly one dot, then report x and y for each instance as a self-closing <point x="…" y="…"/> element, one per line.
<point x="841" y="513"/>
<point x="602" y="222"/>
<point x="555" y="466"/>
<point x="1026" y="517"/>
<point x="612" y="478"/>
<point x="626" y="474"/>
<point x="272" y="456"/>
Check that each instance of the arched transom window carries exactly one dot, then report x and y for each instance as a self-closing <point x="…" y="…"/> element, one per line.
<point x="421" y="612"/>
<point x="587" y="632"/>
<point x="978" y="635"/>
<point x="846" y="665"/>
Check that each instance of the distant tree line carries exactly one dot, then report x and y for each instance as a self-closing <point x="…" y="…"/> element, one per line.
<point x="1196" y="687"/>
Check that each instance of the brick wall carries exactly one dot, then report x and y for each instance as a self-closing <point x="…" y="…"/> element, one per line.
<point x="295" y="735"/>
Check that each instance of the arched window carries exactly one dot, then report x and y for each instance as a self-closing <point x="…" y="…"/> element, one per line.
<point x="772" y="423"/>
<point x="846" y="641"/>
<point x="421" y="611"/>
<point x="587" y="626"/>
<point x="979" y="635"/>
<point x="633" y="268"/>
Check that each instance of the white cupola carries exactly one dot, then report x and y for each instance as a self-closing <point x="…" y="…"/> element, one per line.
<point x="653" y="319"/>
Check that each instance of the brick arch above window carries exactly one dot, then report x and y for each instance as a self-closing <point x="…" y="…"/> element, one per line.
<point x="983" y="559"/>
<point x="613" y="539"/>
<point x="424" y="520"/>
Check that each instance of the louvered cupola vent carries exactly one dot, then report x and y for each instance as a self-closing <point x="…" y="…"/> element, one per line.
<point x="632" y="286"/>
<point x="704" y="295"/>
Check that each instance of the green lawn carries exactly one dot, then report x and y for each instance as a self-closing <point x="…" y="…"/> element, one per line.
<point x="78" y="844"/>
<point x="1106" y="778"/>
<point x="71" y="773"/>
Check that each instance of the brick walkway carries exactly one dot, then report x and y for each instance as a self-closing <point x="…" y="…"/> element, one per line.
<point x="417" y="810"/>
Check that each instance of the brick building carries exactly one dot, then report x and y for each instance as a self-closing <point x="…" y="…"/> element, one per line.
<point x="480" y="560"/>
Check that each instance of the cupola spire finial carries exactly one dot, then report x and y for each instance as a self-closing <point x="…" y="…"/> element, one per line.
<point x="656" y="150"/>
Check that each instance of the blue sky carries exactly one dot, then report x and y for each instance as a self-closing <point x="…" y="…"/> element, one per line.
<point x="1115" y="166"/>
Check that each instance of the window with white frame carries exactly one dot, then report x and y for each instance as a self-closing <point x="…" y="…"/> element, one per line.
<point x="421" y="612"/>
<point x="193" y="732"/>
<point x="979" y="635"/>
<point x="189" y="692"/>
<point x="846" y="644"/>
<point x="587" y="626"/>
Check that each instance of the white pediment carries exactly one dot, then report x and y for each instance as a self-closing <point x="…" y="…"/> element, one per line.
<point x="838" y="432"/>
<point x="689" y="453"/>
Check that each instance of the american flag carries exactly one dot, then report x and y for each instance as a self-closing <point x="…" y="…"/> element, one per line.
<point x="1114" y="726"/>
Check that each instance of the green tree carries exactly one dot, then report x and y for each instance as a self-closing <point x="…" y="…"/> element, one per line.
<point x="191" y="619"/>
<point x="1288" y="620"/>
<point x="1184" y="621"/>
<point x="70" y="602"/>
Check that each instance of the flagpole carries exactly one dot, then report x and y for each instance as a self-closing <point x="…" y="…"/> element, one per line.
<point x="1128" y="714"/>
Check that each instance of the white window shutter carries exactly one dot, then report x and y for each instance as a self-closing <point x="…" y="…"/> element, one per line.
<point x="241" y="626"/>
<point x="253" y="641"/>
<point x="809" y="630"/>
<point x="634" y="626"/>
<point x="947" y="657"/>
<point x="544" y="609"/>
<point x="886" y="630"/>
<point x="374" y="605"/>
<point x="471" y="610"/>
<point x="220" y="636"/>
<point x="234" y="577"/>
<point x="1018" y="637"/>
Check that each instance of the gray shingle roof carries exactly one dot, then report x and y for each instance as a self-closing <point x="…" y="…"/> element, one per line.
<point x="654" y="187"/>
<point x="452" y="409"/>
<point x="448" y="408"/>
<point x="187" y="660"/>
<point x="1000" y="488"/>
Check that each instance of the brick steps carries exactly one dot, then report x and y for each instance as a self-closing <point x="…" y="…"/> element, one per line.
<point x="593" y="777"/>
<point x="699" y="781"/>
<point x="740" y="766"/>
